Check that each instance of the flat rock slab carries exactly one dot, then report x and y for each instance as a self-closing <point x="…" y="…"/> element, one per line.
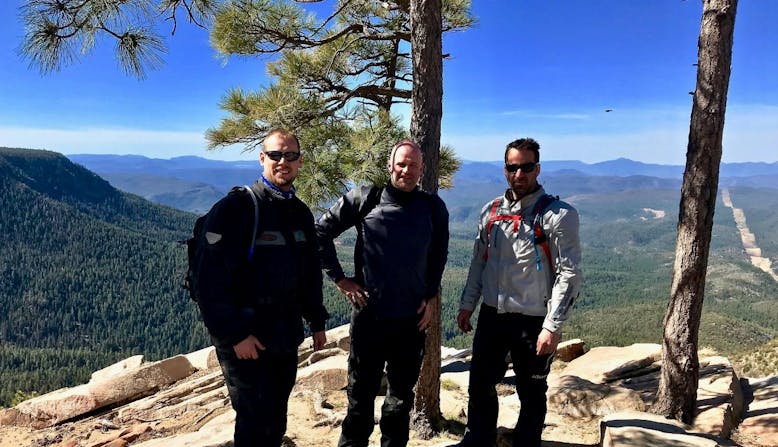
<point x="117" y="369"/>
<point x="338" y="337"/>
<point x="639" y="429"/>
<point x="719" y="398"/>
<point x="456" y="373"/>
<point x="760" y="420"/>
<point x="328" y="374"/>
<point x="569" y="350"/>
<point x="218" y="432"/>
<point x="67" y="403"/>
<point x="577" y="397"/>
<point x="204" y="359"/>
<point x="565" y="431"/>
<point x="608" y="363"/>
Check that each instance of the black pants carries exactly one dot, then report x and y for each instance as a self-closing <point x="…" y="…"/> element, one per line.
<point x="495" y="336"/>
<point x="399" y="345"/>
<point x="259" y="391"/>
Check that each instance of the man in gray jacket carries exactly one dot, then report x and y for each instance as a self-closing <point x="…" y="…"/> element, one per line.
<point x="525" y="266"/>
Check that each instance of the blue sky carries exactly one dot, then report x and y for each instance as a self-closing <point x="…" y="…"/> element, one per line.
<point x="542" y="68"/>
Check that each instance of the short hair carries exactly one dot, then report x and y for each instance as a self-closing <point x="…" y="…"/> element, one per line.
<point x="283" y="133"/>
<point x="401" y="143"/>
<point x="524" y="144"/>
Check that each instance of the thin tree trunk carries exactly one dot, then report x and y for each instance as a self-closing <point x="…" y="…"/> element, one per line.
<point x="677" y="395"/>
<point x="426" y="113"/>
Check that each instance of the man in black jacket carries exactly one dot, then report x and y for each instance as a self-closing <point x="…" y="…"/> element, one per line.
<point x="400" y="253"/>
<point x="252" y="302"/>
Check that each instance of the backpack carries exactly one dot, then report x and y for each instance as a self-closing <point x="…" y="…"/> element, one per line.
<point x="539" y="238"/>
<point x="194" y="247"/>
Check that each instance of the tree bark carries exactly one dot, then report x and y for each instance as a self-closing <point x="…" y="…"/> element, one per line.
<point x="677" y="395"/>
<point x="426" y="113"/>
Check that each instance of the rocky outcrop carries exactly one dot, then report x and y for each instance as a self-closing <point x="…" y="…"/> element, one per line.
<point x="719" y="398"/>
<point x="760" y="419"/>
<point x="569" y="350"/>
<point x="637" y="429"/>
<point x="338" y="337"/>
<point x="110" y="388"/>
<point x="117" y="369"/>
<point x="608" y="363"/>
<point x="598" y="398"/>
<point x="579" y="398"/>
<point x="204" y="359"/>
<point x="328" y="374"/>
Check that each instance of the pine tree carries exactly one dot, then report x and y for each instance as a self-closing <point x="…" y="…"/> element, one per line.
<point x="677" y="395"/>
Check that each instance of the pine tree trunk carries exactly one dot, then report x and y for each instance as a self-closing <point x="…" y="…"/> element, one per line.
<point x="677" y="395"/>
<point x="426" y="113"/>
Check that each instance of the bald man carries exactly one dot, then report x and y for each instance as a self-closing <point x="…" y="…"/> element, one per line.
<point x="400" y="253"/>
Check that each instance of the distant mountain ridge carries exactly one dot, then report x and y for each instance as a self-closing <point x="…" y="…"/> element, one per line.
<point x="188" y="183"/>
<point x="193" y="183"/>
<point x="621" y="167"/>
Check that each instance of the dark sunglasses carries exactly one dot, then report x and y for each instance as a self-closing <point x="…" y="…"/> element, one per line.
<point x="288" y="155"/>
<point x="525" y="167"/>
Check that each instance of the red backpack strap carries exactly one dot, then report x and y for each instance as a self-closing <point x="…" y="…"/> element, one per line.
<point x="494" y="217"/>
<point x="539" y="237"/>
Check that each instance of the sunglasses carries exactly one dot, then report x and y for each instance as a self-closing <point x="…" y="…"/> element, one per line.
<point x="525" y="167"/>
<point x="278" y="155"/>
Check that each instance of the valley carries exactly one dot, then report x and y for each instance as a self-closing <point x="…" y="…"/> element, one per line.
<point x="90" y="274"/>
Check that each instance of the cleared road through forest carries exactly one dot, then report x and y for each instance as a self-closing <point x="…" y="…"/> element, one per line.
<point x="748" y="238"/>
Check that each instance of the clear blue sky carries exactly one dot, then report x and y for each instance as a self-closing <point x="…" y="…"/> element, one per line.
<point x="541" y="68"/>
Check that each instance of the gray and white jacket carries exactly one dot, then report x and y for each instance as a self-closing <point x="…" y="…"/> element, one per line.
<point x="509" y="279"/>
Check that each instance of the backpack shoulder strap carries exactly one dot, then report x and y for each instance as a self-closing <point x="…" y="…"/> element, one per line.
<point x="542" y="203"/>
<point x="495" y="217"/>
<point x="256" y="220"/>
<point x="538" y="236"/>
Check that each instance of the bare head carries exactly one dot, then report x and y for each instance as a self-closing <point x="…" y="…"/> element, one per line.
<point x="405" y="165"/>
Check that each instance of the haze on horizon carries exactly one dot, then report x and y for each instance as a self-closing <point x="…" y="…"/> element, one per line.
<point x="528" y="69"/>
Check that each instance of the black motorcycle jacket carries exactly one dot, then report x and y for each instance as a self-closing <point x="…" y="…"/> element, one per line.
<point x="266" y="295"/>
<point x="401" y="247"/>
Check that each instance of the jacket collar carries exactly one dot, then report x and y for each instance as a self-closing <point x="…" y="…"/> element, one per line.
<point x="398" y="196"/>
<point x="274" y="190"/>
<point x="525" y="201"/>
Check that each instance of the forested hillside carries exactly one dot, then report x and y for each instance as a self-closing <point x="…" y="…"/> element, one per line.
<point x="88" y="274"/>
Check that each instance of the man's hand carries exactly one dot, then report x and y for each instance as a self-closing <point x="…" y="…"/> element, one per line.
<point x="248" y="348"/>
<point x="463" y="320"/>
<point x="547" y="342"/>
<point x="319" y="340"/>
<point x="356" y="295"/>
<point x="426" y="318"/>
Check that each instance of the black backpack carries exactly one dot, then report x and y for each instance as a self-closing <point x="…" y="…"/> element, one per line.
<point x="194" y="247"/>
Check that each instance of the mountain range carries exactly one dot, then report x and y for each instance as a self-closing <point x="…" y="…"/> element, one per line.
<point x="90" y="274"/>
<point x="194" y="183"/>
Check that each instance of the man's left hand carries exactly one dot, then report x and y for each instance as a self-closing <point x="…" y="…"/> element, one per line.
<point x="426" y="318"/>
<point x="547" y="342"/>
<point x="319" y="340"/>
